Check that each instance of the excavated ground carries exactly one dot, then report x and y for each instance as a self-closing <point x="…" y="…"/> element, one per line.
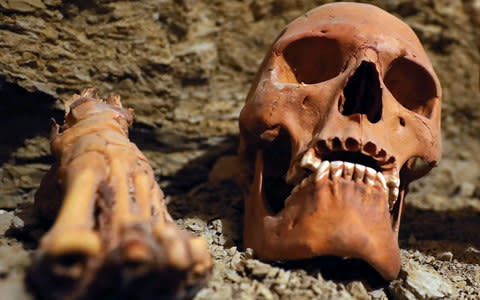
<point x="185" y="67"/>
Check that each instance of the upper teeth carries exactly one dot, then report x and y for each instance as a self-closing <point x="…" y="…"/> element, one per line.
<point x="350" y="171"/>
<point x="309" y="161"/>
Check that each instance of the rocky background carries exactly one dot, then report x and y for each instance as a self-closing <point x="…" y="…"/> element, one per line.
<point x="185" y="67"/>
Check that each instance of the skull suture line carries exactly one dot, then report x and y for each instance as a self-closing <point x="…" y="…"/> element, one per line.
<point x="343" y="107"/>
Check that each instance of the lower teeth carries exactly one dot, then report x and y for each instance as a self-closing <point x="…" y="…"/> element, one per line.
<point x="351" y="171"/>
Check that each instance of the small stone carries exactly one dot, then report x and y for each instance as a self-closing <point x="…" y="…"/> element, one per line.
<point x="232" y="250"/>
<point x="429" y="259"/>
<point x="400" y="292"/>
<point x="272" y="272"/>
<point x="445" y="256"/>
<point x="357" y="290"/>
<point x="236" y="263"/>
<point x="217" y="225"/>
<point x="378" y="295"/>
<point x="17" y="223"/>
<point x="264" y="291"/>
<point x="193" y="225"/>
<point x="472" y="250"/>
<point x="422" y="282"/>
<point x="249" y="253"/>
<point x="317" y="289"/>
<point x="283" y="277"/>
<point x="467" y="189"/>
<point x="233" y="276"/>
<point x="6" y="219"/>
<point x="258" y="270"/>
<point x="456" y="278"/>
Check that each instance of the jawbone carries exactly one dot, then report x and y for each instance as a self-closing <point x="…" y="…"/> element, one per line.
<point x="325" y="217"/>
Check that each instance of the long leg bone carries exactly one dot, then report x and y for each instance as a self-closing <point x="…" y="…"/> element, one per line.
<point x="112" y="233"/>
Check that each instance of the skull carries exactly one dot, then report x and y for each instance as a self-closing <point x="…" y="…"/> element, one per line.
<point x="343" y="114"/>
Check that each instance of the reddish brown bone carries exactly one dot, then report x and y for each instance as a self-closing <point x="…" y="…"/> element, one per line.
<point x="344" y="104"/>
<point x="112" y="226"/>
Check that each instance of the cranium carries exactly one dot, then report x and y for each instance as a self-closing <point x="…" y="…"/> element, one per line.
<point x="344" y="105"/>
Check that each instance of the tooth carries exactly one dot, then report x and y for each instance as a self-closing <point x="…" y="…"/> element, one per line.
<point x="393" y="184"/>
<point x="393" y="195"/>
<point x="310" y="161"/>
<point x="392" y="181"/>
<point x="324" y="167"/>
<point x="370" y="175"/>
<point x="336" y="169"/>
<point x="348" y="171"/>
<point x="381" y="179"/>
<point x="359" y="173"/>
<point x="323" y="170"/>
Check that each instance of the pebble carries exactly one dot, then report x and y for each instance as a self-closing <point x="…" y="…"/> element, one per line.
<point x="445" y="256"/>
<point x="357" y="290"/>
<point x="421" y="282"/>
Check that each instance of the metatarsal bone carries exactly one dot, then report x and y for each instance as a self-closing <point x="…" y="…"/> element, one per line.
<point x="143" y="193"/>
<point x="119" y="166"/>
<point x="77" y="208"/>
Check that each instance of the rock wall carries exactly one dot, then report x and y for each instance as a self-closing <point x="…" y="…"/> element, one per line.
<point x="185" y="67"/>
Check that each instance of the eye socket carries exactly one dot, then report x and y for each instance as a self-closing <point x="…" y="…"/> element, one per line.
<point x="311" y="60"/>
<point x="412" y="86"/>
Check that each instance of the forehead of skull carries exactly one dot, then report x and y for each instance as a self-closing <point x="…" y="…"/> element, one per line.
<point x="354" y="26"/>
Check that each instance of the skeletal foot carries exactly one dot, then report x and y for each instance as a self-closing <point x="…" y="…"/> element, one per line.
<point x="166" y="261"/>
<point x="112" y="236"/>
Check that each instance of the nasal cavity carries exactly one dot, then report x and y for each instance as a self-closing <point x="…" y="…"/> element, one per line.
<point x="363" y="94"/>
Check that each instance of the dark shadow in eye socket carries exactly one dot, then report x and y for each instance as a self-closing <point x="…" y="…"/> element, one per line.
<point x="412" y="86"/>
<point x="313" y="59"/>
